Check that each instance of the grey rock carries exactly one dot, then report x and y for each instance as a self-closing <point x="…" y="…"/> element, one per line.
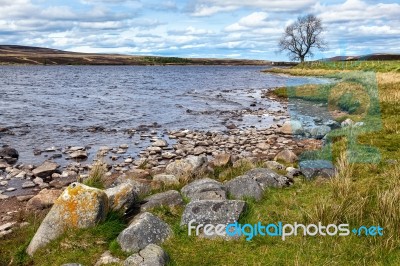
<point x="203" y="189"/>
<point x="9" y="155"/>
<point x="273" y="165"/>
<point x="45" y="169"/>
<point x="151" y="255"/>
<point x="268" y="178"/>
<point x="319" y="132"/>
<point x="187" y="167"/>
<point x="292" y="172"/>
<point x="168" y="180"/>
<point x="160" y="143"/>
<point x="314" y="168"/>
<point x="292" y="127"/>
<point x="79" y="206"/>
<point x="244" y="186"/>
<point x="44" y="199"/>
<point x="79" y="155"/>
<point x="169" y="198"/>
<point x="221" y="159"/>
<point x="107" y="258"/>
<point x="28" y="184"/>
<point x="121" y="197"/>
<point x="144" y="229"/>
<point x="213" y="211"/>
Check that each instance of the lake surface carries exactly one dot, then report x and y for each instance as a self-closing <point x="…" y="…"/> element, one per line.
<point x="97" y="105"/>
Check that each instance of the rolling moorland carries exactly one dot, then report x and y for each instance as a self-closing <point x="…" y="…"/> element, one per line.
<point x="25" y="55"/>
<point x="366" y="193"/>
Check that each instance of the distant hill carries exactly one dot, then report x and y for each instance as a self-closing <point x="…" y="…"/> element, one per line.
<point x="370" y="57"/>
<point x="27" y="55"/>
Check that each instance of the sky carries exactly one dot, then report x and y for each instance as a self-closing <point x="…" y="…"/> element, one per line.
<point x="197" y="28"/>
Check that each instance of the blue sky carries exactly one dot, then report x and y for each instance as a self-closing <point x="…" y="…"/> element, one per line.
<point x="197" y="28"/>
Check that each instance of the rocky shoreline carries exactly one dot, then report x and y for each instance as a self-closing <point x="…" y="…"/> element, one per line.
<point x="175" y="159"/>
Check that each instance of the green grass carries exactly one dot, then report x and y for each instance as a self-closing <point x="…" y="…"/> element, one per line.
<point x="377" y="66"/>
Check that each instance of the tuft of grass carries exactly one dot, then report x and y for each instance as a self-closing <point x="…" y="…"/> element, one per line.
<point x="96" y="175"/>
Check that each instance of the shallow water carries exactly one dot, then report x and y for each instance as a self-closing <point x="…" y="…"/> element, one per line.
<point x="60" y="105"/>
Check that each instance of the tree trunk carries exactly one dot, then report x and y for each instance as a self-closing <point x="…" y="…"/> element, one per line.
<point x="302" y="59"/>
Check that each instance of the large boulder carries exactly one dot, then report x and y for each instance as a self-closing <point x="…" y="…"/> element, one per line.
<point x="204" y="189"/>
<point x="171" y="198"/>
<point x="244" y="187"/>
<point x="268" y="178"/>
<point x="189" y="166"/>
<point x="286" y="156"/>
<point x="152" y="255"/>
<point x="45" y="169"/>
<point x="121" y="197"/>
<point x="79" y="206"/>
<point x="168" y="180"/>
<point x="9" y="155"/>
<point x="314" y="168"/>
<point x="213" y="211"/>
<point x="144" y="229"/>
<point x="44" y="199"/>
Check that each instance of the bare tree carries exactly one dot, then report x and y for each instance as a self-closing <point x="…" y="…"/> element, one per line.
<point x="301" y="37"/>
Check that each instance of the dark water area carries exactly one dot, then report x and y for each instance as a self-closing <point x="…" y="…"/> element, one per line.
<point x="59" y="106"/>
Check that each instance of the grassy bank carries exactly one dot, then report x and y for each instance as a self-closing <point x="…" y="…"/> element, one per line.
<point x="361" y="194"/>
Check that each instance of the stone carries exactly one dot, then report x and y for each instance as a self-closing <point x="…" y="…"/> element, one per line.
<point x="199" y="150"/>
<point x="213" y="211"/>
<point x="107" y="258"/>
<point x="273" y="165"/>
<point x="9" y="155"/>
<point x="63" y="181"/>
<point x="263" y="146"/>
<point x="79" y="206"/>
<point x="28" y="184"/>
<point x="187" y="167"/>
<point x="286" y="156"/>
<point x="314" y="168"/>
<point x="292" y="127"/>
<point x="144" y="229"/>
<point x="169" y="180"/>
<point x="7" y="226"/>
<point x="221" y="160"/>
<point x="319" y="132"/>
<point x="171" y="198"/>
<point x="45" y="169"/>
<point x="24" y="197"/>
<point x="160" y="143"/>
<point x="151" y="255"/>
<point x="242" y="187"/>
<point x="44" y="199"/>
<point x="122" y="197"/>
<point x="268" y="178"/>
<point x="292" y="172"/>
<point x="79" y="155"/>
<point x="204" y="189"/>
<point x="3" y="165"/>
<point x="347" y="122"/>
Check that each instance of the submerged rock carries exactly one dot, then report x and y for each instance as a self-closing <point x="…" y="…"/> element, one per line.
<point x="79" y="206"/>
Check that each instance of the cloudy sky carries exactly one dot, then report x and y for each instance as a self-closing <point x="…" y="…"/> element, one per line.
<point x="197" y="28"/>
